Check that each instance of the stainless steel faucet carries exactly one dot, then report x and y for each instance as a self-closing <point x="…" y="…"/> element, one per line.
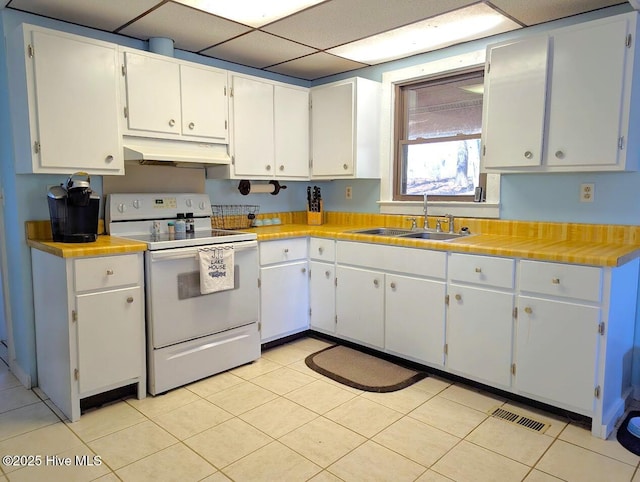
<point x="450" y="221"/>
<point x="414" y="226"/>
<point x="424" y="208"/>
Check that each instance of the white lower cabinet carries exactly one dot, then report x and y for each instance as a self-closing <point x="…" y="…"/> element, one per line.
<point x="556" y="351"/>
<point x="360" y="305"/>
<point x="90" y="326"/>
<point x="322" y="290"/>
<point x="414" y="318"/>
<point x="284" y="288"/>
<point x="479" y="334"/>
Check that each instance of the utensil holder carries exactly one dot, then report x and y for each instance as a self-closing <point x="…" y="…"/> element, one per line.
<point x="316" y="218"/>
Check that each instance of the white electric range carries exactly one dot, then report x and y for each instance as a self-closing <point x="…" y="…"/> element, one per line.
<point x="189" y="335"/>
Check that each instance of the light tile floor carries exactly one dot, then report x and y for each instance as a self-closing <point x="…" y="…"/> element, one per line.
<point x="276" y="420"/>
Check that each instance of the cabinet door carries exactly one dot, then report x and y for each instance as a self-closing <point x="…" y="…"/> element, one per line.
<point x="153" y="94"/>
<point x="204" y="103"/>
<point x="332" y="125"/>
<point x="557" y="352"/>
<point x="77" y="111"/>
<point x="322" y="294"/>
<point x="514" y="104"/>
<point x="414" y="318"/>
<point x="284" y="300"/>
<point x="253" y="133"/>
<point x="291" y="132"/>
<point x="110" y="344"/>
<point x="360" y="306"/>
<point x="479" y="331"/>
<point x="586" y="95"/>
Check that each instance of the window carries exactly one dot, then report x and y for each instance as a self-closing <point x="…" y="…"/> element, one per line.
<point x="439" y="123"/>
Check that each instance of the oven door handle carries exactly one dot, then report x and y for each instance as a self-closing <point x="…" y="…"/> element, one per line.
<point x="181" y="253"/>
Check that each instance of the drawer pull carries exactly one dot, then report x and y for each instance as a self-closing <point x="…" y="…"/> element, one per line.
<point x="458" y="297"/>
<point x="109" y="158"/>
<point x="281" y="167"/>
<point x="478" y="270"/>
<point x="556" y="281"/>
<point x="109" y="272"/>
<point x="268" y="167"/>
<point x="528" y="310"/>
<point x="130" y="299"/>
<point x="393" y="285"/>
<point x="304" y="270"/>
<point x="327" y="273"/>
<point x="528" y="154"/>
<point x="320" y="250"/>
<point x="286" y="250"/>
<point x="345" y="166"/>
<point x="191" y="125"/>
<point x="376" y="283"/>
<point x="172" y="122"/>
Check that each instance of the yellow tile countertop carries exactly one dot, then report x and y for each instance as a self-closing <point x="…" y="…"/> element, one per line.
<point x="38" y="234"/>
<point x="596" y="245"/>
<point x="588" y="244"/>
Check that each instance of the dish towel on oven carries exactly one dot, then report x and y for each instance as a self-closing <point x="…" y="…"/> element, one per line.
<point x="216" y="268"/>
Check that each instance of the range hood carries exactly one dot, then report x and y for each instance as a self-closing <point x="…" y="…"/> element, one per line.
<point x="174" y="152"/>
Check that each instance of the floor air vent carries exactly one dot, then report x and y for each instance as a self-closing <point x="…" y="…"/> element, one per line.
<point x="518" y="419"/>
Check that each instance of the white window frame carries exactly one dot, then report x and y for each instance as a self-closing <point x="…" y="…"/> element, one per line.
<point x="452" y="65"/>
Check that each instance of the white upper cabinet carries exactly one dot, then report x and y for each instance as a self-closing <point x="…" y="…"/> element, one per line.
<point x="64" y="103"/>
<point x="345" y="129"/>
<point x="172" y="99"/>
<point x="270" y="131"/>
<point x="562" y="102"/>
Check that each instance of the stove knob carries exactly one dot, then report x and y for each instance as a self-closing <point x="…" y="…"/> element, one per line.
<point x="136" y="203"/>
<point x="122" y="207"/>
<point x="189" y="202"/>
<point x="202" y="205"/>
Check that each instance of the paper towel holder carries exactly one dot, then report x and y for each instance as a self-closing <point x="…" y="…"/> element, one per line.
<point x="272" y="187"/>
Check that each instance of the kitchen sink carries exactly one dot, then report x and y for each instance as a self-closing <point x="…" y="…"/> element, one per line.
<point x="432" y="235"/>
<point x="383" y="231"/>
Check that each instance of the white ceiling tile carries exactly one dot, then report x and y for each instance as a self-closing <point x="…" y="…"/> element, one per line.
<point x="539" y="11"/>
<point x="341" y="21"/>
<point x="315" y="66"/>
<point x="258" y="49"/>
<point x="91" y="13"/>
<point x="190" y="29"/>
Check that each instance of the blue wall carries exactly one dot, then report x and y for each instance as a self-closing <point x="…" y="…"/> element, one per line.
<point x="530" y="197"/>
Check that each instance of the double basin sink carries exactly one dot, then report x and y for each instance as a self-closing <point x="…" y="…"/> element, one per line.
<point x="407" y="233"/>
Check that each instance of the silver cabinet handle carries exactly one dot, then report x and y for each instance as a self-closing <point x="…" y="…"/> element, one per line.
<point x="109" y="272"/>
<point x="172" y="122"/>
<point x="191" y="125"/>
<point x="478" y="270"/>
<point x="286" y="250"/>
<point x="528" y="154"/>
<point x="281" y="167"/>
<point x="345" y="166"/>
<point x="376" y="283"/>
<point x="320" y="250"/>
<point x="555" y="281"/>
<point x="268" y="167"/>
<point x="109" y="158"/>
<point x="560" y="154"/>
<point x="458" y="297"/>
<point x="327" y="273"/>
<point x="528" y="310"/>
<point x="130" y="299"/>
<point x="392" y="285"/>
<point x="304" y="270"/>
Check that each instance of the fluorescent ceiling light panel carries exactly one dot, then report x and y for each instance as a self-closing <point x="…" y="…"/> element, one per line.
<point x="254" y="13"/>
<point x="469" y="23"/>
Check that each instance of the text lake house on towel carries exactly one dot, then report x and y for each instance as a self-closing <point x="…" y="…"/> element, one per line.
<point x="216" y="268"/>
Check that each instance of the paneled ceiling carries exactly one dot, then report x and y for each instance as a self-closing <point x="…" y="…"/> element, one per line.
<point x="307" y="44"/>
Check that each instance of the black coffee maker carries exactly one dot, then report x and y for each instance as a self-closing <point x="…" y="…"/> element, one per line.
<point x="74" y="210"/>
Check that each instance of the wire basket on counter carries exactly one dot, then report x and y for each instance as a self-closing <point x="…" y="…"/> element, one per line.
<point x="233" y="216"/>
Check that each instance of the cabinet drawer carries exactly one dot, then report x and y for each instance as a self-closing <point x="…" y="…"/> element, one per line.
<point x="282" y="250"/>
<point x="482" y="270"/>
<point x="107" y="271"/>
<point x="564" y="280"/>
<point x="415" y="261"/>
<point x="322" y="249"/>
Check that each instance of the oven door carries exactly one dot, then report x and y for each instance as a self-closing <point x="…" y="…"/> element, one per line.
<point x="176" y="311"/>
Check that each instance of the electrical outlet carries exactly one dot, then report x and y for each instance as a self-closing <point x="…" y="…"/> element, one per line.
<point x="348" y="193"/>
<point x="587" y="193"/>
